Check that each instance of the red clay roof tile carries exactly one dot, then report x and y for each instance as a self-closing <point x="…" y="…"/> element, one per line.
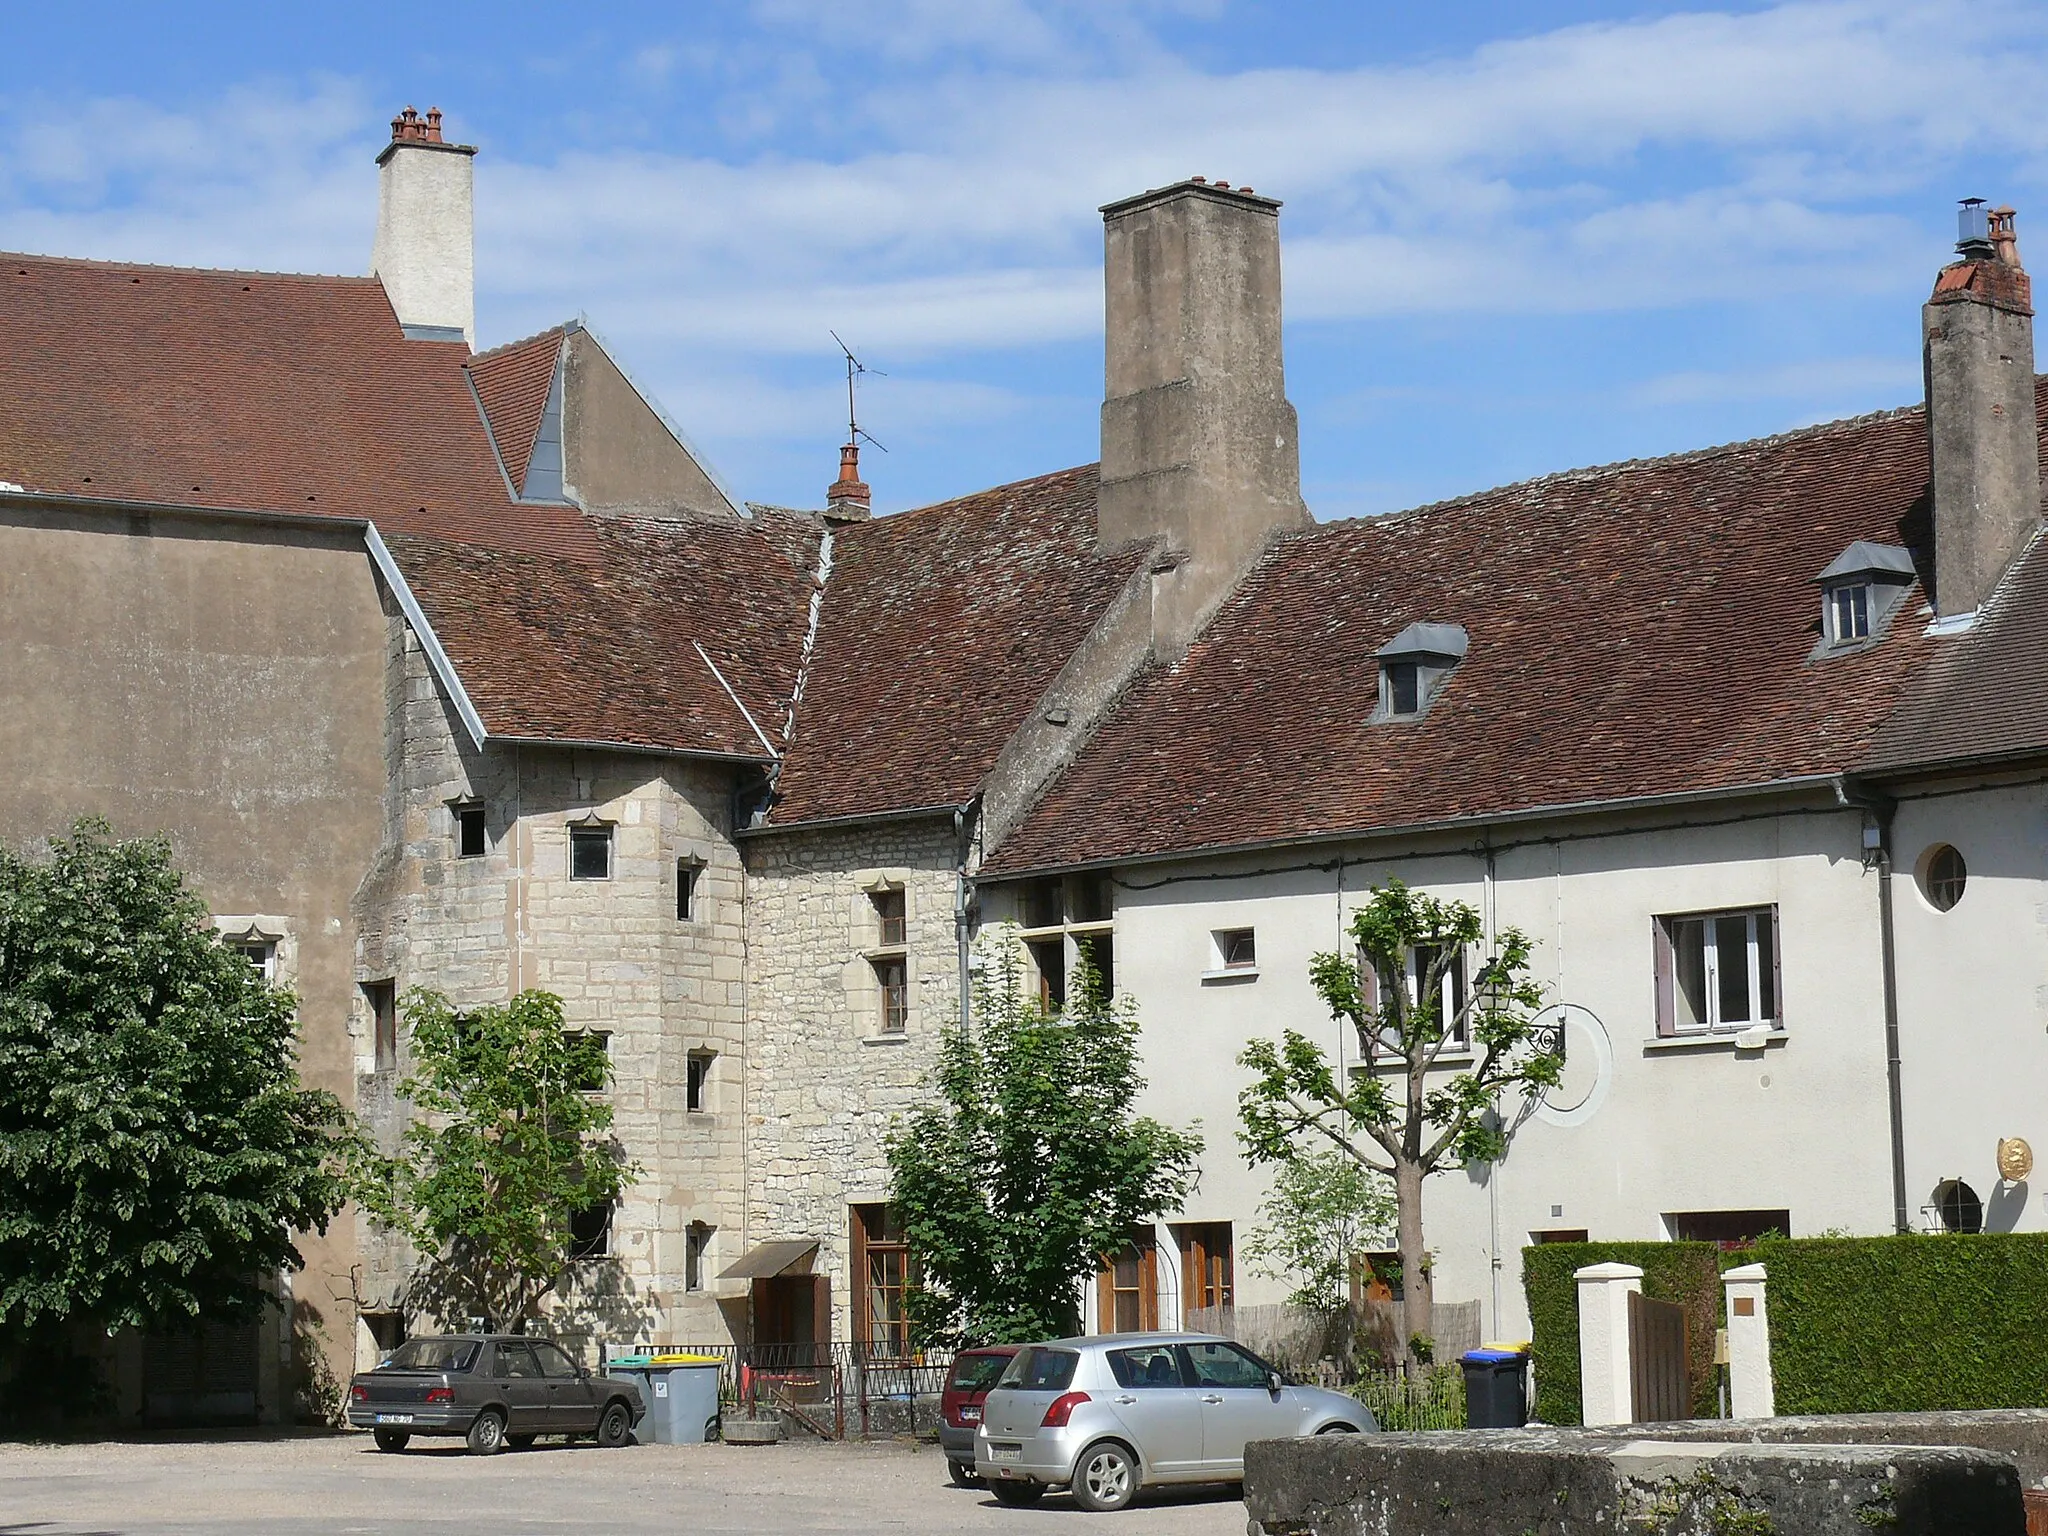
<point x="512" y="384"/>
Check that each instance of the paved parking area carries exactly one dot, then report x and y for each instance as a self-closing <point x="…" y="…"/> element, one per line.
<point x="331" y="1485"/>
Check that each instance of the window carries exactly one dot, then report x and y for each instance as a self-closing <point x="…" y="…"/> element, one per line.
<point x="1237" y="949"/>
<point x="1038" y="1369"/>
<point x="697" y="1081"/>
<point x="590" y="1232"/>
<point x="1849" y="612"/>
<point x="1042" y="904"/>
<point x="1943" y="875"/>
<point x="882" y="1267"/>
<point x="1205" y="1266"/>
<point x="1717" y="970"/>
<point x="1066" y="921"/>
<point x="1227" y="1365"/>
<point x="1049" y="959"/>
<point x="1415" y="665"/>
<point x="891" y="925"/>
<point x="687" y="871"/>
<point x="515" y="1360"/>
<point x="382" y="998"/>
<point x="1149" y="1365"/>
<point x="893" y="986"/>
<point x="1127" y="1292"/>
<point x="553" y="1362"/>
<point x="261" y="955"/>
<point x="1730" y="1229"/>
<point x="1404" y="688"/>
<point x="1559" y="1235"/>
<point x="1100" y="949"/>
<point x="590" y="853"/>
<point x="696" y="1255"/>
<point x="469" y="831"/>
<point x="590" y="1060"/>
<point x="1958" y="1207"/>
<point x="1422" y="959"/>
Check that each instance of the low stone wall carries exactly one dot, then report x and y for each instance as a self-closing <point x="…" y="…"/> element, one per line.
<point x="1571" y="1483"/>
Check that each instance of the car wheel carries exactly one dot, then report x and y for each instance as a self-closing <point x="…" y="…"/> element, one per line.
<point x="615" y="1428"/>
<point x="963" y="1474"/>
<point x="486" y="1436"/>
<point x="1016" y="1495"/>
<point x="521" y="1442"/>
<point x="391" y="1439"/>
<point x="1106" y="1477"/>
<point x="1338" y="1429"/>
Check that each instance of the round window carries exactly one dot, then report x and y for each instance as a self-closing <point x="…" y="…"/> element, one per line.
<point x="1961" y="1210"/>
<point x="1943" y="874"/>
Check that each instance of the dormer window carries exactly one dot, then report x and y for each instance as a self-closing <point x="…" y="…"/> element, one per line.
<point x="1859" y="593"/>
<point x="1414" y="666"/>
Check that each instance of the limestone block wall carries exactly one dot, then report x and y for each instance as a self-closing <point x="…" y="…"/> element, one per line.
<point x="482" y="929"/>
<point x="824" y="1081"/>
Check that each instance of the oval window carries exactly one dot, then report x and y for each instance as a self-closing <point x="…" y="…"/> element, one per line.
<point x="1943" y="874"/>
<point x="1960" y="1208"/>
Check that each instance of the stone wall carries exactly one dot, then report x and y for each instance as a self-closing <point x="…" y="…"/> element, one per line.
<point x="824" y="1080"/>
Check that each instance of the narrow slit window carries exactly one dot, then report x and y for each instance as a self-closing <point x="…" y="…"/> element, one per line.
<point x="891" y="921"/>
<point x="696" y="1255"/>
<point x="382" y="996"/>
<point x="469" y="831"/>
<point x="1404" y="688"/>
<point x="893" y="983"/>
<point x="697" y="1082"/>
<point x="686" y="890"/>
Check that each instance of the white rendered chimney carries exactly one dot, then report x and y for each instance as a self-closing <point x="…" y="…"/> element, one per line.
<point x="426" y="229"/>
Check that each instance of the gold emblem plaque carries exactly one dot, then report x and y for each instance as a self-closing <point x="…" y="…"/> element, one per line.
<point x="2015" y="1159"/>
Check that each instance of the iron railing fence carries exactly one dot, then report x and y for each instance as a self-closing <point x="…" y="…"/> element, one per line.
<point x="832" y="1389"/>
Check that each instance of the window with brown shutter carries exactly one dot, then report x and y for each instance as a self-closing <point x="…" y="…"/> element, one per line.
<point x="1205" y="1265"/>
<point x="1127" y="1291"/>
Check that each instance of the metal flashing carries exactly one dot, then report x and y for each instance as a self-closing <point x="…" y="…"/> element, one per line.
<point x="434" y="333"/>
<point x="437" y="658"/>
<point x="745" y="713"/>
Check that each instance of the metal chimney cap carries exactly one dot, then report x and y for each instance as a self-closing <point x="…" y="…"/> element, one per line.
<point x="1973" y="228"/>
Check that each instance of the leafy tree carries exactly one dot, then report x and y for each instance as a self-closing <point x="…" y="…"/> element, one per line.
<point x="1324" y="1208"/>
<point x="509" y="1143"/>
<point x="1031" y="1165"/>
<point x="1395" y="1116"/>
<point x="156" y="1148"/>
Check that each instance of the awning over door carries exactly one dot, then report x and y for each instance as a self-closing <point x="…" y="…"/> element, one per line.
<point x="764" y="1260"/>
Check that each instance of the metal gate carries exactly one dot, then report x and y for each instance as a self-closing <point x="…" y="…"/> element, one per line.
<point x="1659" y="1379"/>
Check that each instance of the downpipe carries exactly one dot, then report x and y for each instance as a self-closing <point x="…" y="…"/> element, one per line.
<point x="1880" y="808"/>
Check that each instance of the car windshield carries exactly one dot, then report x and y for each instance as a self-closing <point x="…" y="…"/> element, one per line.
<point x="977" y="1373"/>
<point x="432" y="1355"/>
<point x="1040" y="1370"/>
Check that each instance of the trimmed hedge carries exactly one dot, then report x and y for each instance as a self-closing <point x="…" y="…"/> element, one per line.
<point x="1687" y="1273"/>
<point x="1900" y="1324"/>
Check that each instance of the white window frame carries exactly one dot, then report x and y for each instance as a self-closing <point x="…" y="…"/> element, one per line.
<point x="1839" y="598"/>
<point x="1710" y="944"/>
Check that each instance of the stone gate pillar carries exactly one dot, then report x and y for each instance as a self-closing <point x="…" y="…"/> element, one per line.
<point x="1751" y="1393"/>
<point x="1605" y="1388"/>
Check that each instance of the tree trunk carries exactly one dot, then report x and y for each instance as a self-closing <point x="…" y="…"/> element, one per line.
<point x="1416" y="1280"/>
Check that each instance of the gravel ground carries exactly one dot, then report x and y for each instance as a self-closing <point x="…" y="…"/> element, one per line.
<point x="335" y="1484"/>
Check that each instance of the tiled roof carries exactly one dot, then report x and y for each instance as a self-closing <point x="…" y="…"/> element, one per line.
<point x="249" y="391"/>
<point x="606" y="649"/>
<point x="512" y="384"/>
<point x="941" y="628"/>
<point x="1637" y="630"/>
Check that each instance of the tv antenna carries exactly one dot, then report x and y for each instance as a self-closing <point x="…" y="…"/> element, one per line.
<point x="854" y="368"/>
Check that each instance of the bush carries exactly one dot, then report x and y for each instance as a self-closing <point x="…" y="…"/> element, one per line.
<point x="1687" y="1273"/>
<point x="1899" y="1324"/>
<point x="1435" y="1399"/>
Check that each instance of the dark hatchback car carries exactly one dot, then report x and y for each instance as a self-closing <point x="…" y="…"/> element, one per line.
<point x="968" y="1380"/>
<point x="493" y="1391"/>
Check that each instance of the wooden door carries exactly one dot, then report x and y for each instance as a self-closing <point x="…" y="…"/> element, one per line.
<point x="1127" y="1291"/>
<point x="1659" y="1378"/>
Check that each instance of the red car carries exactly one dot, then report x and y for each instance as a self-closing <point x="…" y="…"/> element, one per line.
<point x="972" y="1373"/>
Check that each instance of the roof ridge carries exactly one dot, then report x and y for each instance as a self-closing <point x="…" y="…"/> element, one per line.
<point x="158" y="266"/>
<point x="1007" y="485"/>
<point x="1618" y="467"/>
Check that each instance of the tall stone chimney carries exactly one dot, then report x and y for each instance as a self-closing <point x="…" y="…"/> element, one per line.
<point x="1198" y="438"/>
<point x="426" y="235"/>
<point x="1978" y="335"/>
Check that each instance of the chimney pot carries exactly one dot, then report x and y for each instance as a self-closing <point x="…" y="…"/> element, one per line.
<point x="848" y="498"/>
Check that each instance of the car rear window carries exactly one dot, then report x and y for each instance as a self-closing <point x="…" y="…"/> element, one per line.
<point x="976" y="1373"/>
<point x="433" y="1355"/>
<point x="1040" y="1370"/>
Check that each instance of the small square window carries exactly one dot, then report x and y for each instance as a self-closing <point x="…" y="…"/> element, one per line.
<point x="590" y="1232"/>
<point x="1237" y="949"/>
<point x="1849" y="612"/>
<point x="891" y="924"/>
<point x="469" y="831"/>
<point x="696" y="1255"/>
<point x="892" y="979"/>
<point x="261" y="955"/>
<point x="687" y="871"/>
<point x="382" y="996"/>
<point x="590" y="853"/>
<point x="697" y="1081"/>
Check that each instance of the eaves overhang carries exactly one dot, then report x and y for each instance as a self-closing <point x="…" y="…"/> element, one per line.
<point x="826" y="823"/>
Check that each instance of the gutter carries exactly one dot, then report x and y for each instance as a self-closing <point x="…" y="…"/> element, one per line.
<point x="1881" y="808"/>
<point x="1446" y="826"/>
<point x="964" y="819"/>
<point x="916" y="813"/>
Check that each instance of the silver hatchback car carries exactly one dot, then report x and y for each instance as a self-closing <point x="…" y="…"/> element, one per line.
<point x="1113" y="1413"/>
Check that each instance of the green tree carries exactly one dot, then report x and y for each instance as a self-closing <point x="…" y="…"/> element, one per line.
<point x="1400" y="1114"/>
<point x="1325" y="1207"/>
<point x="1031" y="1166"/>
<point x="157" y="1151"/>
<point x="509" y="1142"/>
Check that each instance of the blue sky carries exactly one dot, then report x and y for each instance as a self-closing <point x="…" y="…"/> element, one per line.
<point x="1518" y="238"/>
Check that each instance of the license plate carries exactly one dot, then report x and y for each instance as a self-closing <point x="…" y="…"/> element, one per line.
<point x="1006" y="1453"/>
<point x="970" y="1415"/>
<point x="394" y="1418"/>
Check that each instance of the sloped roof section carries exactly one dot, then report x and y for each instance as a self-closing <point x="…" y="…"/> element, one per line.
<point x="607" y="649"/>
<point x="941" y="628"/>
<point x="512" y="387"/>
<point x="248" y="391"/>
<point x="1638" y="630"/>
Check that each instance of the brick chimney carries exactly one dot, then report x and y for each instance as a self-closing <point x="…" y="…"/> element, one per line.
<point x="1978" y="333"/>
<point x="846" y="499"/>
<point x="1198" y="438"/>
<point x="426" y="245"/>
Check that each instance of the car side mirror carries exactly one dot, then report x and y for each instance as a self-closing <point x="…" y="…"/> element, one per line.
<point x="1274" y="1382"/>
